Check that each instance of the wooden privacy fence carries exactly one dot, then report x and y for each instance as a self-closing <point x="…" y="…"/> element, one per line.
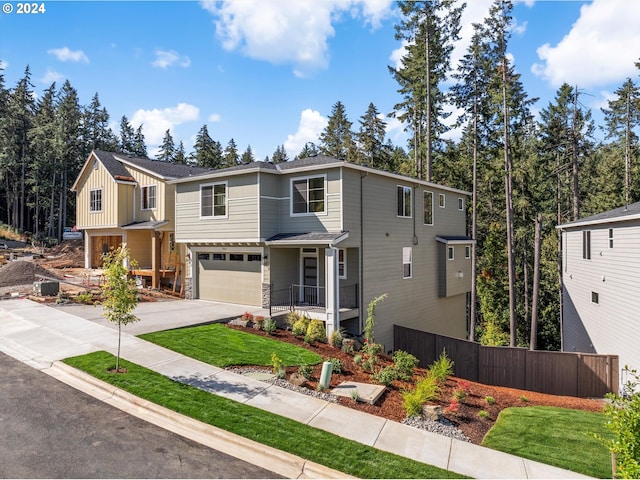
<point x="557" y="373"/>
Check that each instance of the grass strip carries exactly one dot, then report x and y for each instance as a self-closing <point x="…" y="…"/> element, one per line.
<point x="556" y="436"/>
<point x="267" y="428"/>
<point x="222" y="346"/>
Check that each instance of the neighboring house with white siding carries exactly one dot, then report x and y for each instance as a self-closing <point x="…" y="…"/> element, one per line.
<point x="601" y="285"/>
<point x="325" y="236"/>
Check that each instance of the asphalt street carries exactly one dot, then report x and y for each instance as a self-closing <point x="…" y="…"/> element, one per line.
<point x="51" y="430"/>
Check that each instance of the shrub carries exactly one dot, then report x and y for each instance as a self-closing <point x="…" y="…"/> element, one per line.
<point x="441" y="368"/>
<point x="357" y="359"/>
<point x="269" y="326"/>
<point x="460" y="395"/>
<point x="371" y="317"/>
<point x="369" y="363"/>
<point x="258" y="321"/>
<point x="623" y="421"/>
<point x="385" y="375"/>
<point x="453" y="407"/>
<point x="278" y="366"/>
<point x="335" y="340"/>
<point x="428" y="388"/>
<point x="86" y="298"/>
<point x="405" y="364"/>
<point x="524" y="399"/>
<point x="247" y="317"/>
<point x="300" y="326"/>
<point x="348" y="345"/>
<point x="292" y="318"/>
<point x="412" y="402"/>
<point x="315" y="332"/>
<point x="306" y="371"/>
<point x="490" y="400"/>
<point x="370" y="348"/>
<point x="483" y="414"/>
<point x="337" y="364"/>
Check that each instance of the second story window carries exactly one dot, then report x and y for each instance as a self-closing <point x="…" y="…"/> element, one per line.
<point x="404" y="201"/>
<point x="148" y="197"/>
<point x="586" y="244"/>
<point x="308" y="195"/>
<point x="428" y="208"/>
<point x="213" y="200"/>
<point x="95" y="200"/>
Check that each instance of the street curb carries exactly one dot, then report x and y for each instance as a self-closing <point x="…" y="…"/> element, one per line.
<point x="277" y="461"/>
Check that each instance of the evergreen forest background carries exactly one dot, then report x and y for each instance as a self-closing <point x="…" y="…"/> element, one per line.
<point x="519" y="167"/>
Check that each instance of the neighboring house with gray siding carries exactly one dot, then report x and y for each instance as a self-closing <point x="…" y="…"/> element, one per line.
<point x="601" y="285"/>
<point x="324" y="236"/>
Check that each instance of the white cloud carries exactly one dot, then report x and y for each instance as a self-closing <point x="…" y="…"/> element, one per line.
<point x="4" y="65"/>
<point x="51" y="76"/>
<point x="169" y="58"/>
<point x="601" y="47"/>
<point x="66" y="55"/>
<point x="309" y="129"/>
<point x="288" y="31"/>
<point x="397" y="55"/>
<point x="214" y="117"/>
<point x="157" y="121"/>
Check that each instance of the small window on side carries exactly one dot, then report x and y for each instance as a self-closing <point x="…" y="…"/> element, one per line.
<point x="467" y="251"/>
<point x="611" y="238"/>
<point x="236" y="257"/>
<point x="460" y="203"/>
<point x="450" y="253"/>
<point x="407" y="260"/>
<point x="441" y="200"/>
<point x="595" y="298"/>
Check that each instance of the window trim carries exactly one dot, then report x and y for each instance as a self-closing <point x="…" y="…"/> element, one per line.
<point x="404" y="190"/>
<point x="92" y="201"/>
<point x="324" y="197"/>
<point x="451" y="252"/>
<point x="213" y="196"/>
<point x="424" y="199"/>
<point x="467" y="252"/>
<point x="595" y="298"/>
<point x="343" y="263"/>
<point x="144" y="188"/>
<point x="236" y="257"/>
<point x="611" y="238"/>
<point x="442" y="200"/>
<point x="461" y="204"/>
<point x="407" y="254"/>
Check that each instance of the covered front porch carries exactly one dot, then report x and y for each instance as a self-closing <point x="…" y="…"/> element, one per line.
<point x="313" y="275"/>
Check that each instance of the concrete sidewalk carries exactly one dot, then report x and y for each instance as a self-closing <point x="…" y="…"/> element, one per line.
<point x="41" y="336"/>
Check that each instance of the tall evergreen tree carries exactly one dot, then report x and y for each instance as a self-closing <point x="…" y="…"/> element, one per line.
<point x="97" y="134"/>
<point x="373" y="152"/>
<point x="430" y="29"/>
<point x="167" y="148"/>
<point x="207" y="152"/>
<point x="308" y="150"/>
<point x="247" y="156"/>
<point x="279" y="155"/>
<point x="336" y="140"/>
<point x="180" y="158"/>
<point x="230" y="155"/>
<point x="139" y="147"/>
<point x="127" y="141"/>
<point x="622" y="116"/>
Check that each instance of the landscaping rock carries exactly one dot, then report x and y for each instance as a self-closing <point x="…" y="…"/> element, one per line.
<point x="432" y="412"/>
<point x="297" y="379"/>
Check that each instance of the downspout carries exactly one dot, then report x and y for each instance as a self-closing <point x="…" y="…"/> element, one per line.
<point x="361" y="250"/>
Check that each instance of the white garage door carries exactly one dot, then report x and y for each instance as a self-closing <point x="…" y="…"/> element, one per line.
<point x="230" y="278"/>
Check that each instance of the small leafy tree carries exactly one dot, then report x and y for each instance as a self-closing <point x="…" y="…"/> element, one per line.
<point x="371" y="317"/>
<point x="120" y="293"/>
<point x="623" y="414"/>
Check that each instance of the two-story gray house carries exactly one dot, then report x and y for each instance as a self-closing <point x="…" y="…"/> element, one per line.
<point x="326" y="236"/>
<point x="601" y="285"/>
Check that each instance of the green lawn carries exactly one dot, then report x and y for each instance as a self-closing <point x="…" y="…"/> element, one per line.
<point x="269" y="429"/>
<point x="555" y="436"/>
<point x="222" y="346"/>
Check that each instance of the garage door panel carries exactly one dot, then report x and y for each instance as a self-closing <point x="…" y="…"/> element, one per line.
<point x="230" y="281"/>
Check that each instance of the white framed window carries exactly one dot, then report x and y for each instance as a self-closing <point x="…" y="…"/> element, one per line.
<point x="460" y="203"/>
<point x="450" y="253"/>
<point x="342" y="263"/>
<point x="611" y="238"/>
<point x="428" y="208"/>
<point x="213" y="200"/>
<point x="254" y="257"/>
<point x="236" y="257"/>
<point x="404" y="201"/>
<point x="95" y="200"/>
<point x="595" y="298"/>
<point x="148" y="197"/>
<point x="441" y="200"/>
<point x="308" y="195"/>
<point x="586" y="244"/>
<point x="220" y="257"/>
<point x="407" y="260"/>
<point x="467" y="251"/>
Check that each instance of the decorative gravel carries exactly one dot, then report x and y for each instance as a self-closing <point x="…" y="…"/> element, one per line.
<point x="441" y="427"/>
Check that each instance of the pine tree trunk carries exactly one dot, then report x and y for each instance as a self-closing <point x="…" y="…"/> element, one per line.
<point x="533" y="344"/>
<point x="574" y="135"/>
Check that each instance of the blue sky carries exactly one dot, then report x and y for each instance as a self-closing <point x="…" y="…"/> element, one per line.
<point x="267" y="72"/>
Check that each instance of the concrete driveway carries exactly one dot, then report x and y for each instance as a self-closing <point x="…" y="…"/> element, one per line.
<point x="165" y="315"/>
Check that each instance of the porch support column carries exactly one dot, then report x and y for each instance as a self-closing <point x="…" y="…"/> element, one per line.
<point x="155" y="259"/>
<point x="332" y="290"/>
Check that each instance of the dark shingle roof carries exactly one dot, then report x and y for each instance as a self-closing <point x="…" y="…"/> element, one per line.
<point x="309" y="237"/>
<point x="113" y="162"/>
<point x="615" y="215"/>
